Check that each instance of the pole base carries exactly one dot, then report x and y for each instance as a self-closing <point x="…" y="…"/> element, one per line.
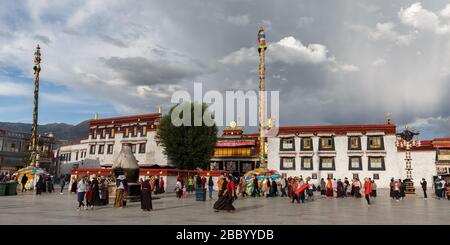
<point x="409" y="187"/>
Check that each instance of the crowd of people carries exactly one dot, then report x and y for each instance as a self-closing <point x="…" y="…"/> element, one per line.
<point x="95" y="190"/>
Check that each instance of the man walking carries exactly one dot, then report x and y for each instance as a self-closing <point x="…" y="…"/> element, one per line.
<point x="62" y="181"/>
<point x="423" y="183"/>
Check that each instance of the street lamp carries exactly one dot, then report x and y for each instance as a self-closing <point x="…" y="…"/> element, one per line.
<point x="406" y="141"/>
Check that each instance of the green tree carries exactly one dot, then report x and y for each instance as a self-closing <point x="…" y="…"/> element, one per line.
<point x="187" y="146"/>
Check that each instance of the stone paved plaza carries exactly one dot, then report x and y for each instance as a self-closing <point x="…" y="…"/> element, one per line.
<point x="60" y="209"/>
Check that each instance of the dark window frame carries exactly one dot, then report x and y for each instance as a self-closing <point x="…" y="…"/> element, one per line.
<point x="330" y="177"/>
<point x="326" y="149"/>
<point x="140" y="149"/>
<point x="124" y="129"/>
<point x="110" y="130"/>
<point x="381" y="142"/>
<point x="314" y="176"/>
<point x="110" y="146"/>
<point x="302" y="145"/>
<point x="370" y="168"/>
<point x="333" y="164"/>
<point x="282" y="166"/>
<point x="281" y="144"/>
<point x="350" y="163"/>
<point x="357" y="175"/>
<point x="101" y="149"/>
<point x="302" y="165"/>
<point x="144" y="132"/>
<point x="377" y="175"/>
<point x="350" y="143"/>
<point x="92" y="149"/>
<point x="133" y="148"/>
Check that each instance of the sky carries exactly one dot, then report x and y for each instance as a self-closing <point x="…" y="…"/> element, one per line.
<point x="334" y="62"/>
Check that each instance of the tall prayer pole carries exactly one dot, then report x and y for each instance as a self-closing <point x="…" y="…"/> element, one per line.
<point x="262" y="98"/>
<point x="37" y="69"/>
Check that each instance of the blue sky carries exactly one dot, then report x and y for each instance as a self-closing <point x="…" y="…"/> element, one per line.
<point x="334" y="62"/>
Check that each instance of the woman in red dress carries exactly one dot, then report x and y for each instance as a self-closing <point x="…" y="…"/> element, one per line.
<point x="225" y="202"/>
<point x="329" y="192"/>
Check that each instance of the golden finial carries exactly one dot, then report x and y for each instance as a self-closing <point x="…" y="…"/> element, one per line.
<point x="389" y="118"/>
<point x="160" y="108"/>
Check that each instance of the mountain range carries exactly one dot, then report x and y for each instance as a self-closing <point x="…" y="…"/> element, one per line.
<point x="62" y="132"/>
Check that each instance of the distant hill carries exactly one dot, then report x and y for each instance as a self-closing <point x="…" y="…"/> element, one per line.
<point x="63" y="132"/>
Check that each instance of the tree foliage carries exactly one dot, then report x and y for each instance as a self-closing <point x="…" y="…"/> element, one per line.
<point x="187" y="146"/>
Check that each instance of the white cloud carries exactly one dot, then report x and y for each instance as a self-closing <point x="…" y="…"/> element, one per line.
<point x="241" y="56"/>
<point x="349" y="68"/>
<point x="240" y="20"/>
<point x="385" y="31"/>
<point x="446" y="11"/>
<point x="289" y="51"/>
<point x="267" y="24"/>
<point x="423" y="19"/>
<point x="305" y="21"/>
<point x="15" y="89"/>
<point x="439" y="125"/>
<point x="379" y="62"/>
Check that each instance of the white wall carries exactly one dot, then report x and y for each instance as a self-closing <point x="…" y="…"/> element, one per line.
<point x="153" y="153"/>
<point x="423" y="162"/>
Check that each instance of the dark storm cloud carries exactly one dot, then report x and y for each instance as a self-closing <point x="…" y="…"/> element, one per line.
<point x="113" y="41"/>
<point x="42" y="38"/>
<point x="142" y="71"/>
<point x="368" y="62"/>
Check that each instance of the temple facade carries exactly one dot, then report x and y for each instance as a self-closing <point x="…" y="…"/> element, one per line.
<point x="235" y="151"/>
<point x="352" y="151"/>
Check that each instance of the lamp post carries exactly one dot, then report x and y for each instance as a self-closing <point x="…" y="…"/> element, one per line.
<point x="406" y="141"/>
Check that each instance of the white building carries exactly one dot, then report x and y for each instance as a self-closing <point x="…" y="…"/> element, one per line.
<point x="106" y="137"/>
<point x="350" y="151"/>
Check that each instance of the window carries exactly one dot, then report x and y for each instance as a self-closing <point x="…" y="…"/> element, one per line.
<point x="376" y="176"/>
<point x="92" y="150"/>
<point x="103" y="135"/>
<point x="135" y="131"/>
<point x="101" y="149"/>
<point x="375" y="143"/>
<point x="76" y="156"/>
<point x="94" y="133"/>
<point x="376" y="163"/>
<point x="287" y="163"/>
<point x="110" y="149"/>
<point x="133" y="148"/>
<point x="144" y="131"/>
<point x="287" y="144"/>
<point x="327" y="163"/>
<point x="326" y="143"/>
<point x="330" y="176"/>
<point x="70" y="156"/>
<point x="314" y="176"/>
<point x="142" y="148"/>
<point x="354" y="143"/>
<point x="354" y="163"/>
<point x="306" y="144"/>
<point x="126" y="132"/>
<point x="443" y="155"/>
<point x="232" y="152"/>
<point x="112" y="133"/>
<point x="306" y="163"/>
<point x="355" y="176"/>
